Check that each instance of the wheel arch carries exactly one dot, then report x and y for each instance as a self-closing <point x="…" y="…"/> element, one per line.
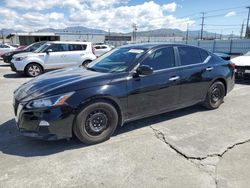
<point x="107" y="99"/>
<point x="223" y="80"/>
<point x="33" y="62"/>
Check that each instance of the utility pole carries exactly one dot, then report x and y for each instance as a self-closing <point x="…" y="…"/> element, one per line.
<point x="187" y="32"/>
<point x="134" y="31"/>
<point x="247" y="35"/>
<point x="241" y="31"/>
<point x="133" y="34"/>
<point x="2" y="36"/>
<point x="202" y="24"/>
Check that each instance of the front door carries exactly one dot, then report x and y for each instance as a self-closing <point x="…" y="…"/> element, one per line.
<point x="56" y="56"/>
<point x="157" y="92"/>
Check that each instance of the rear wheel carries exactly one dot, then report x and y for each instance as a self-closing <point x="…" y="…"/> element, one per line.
<point x="33" y="70"/>
<point x="96" y="123"/>
<point x="85" y="63"/>
<point x="215" y="95"/>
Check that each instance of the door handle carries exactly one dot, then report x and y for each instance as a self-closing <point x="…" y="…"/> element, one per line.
<point x="209" y="68"/>
<point x="174" y="78"/>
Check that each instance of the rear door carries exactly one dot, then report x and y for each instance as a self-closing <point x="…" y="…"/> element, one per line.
<point x="195" y="74"/>
<point x="156" y="92"/>
<point x="75" y="55"/>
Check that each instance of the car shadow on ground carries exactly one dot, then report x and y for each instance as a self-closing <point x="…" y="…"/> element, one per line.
<point x="12" y="143"/>
<point x="14" y="75"/>
<point x="4" y="65"/>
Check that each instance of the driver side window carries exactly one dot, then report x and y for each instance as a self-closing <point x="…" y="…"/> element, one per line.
<point x="161" y="59"/>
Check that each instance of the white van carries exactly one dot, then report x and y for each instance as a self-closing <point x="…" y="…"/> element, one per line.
<point x="53" y="55"/>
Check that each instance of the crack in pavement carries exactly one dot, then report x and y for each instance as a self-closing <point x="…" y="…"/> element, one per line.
<point x="160" y="135"/>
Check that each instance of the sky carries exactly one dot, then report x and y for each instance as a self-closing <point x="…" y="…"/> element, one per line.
<point x="221" y="16"/>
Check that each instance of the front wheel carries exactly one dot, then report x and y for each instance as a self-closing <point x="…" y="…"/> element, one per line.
<point x="33" y="70"/>
<point x="96" y="123"/>
<point x="215" y="95"/>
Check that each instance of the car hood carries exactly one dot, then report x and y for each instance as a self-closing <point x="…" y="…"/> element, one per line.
<point x="23" y="54"/>
<point x="61" y="81"/>
<point x="241" y="61"/>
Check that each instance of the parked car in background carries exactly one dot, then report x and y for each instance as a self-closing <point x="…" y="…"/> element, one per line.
<point x="6" y="48"/>
<point x="8" y="56"/>
<point x="127" y="83"/>
<point x="101" y="49"/>
<point x="53" y="55"/>
<point x="242" y="64"/>
<point x="224" y="56"/>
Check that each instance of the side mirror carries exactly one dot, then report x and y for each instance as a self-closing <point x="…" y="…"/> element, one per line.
<point x="144" y="70"/>
<point x="48" y="51"/>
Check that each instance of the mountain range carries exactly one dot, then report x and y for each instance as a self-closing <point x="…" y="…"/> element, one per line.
<point x="151" y="33"/>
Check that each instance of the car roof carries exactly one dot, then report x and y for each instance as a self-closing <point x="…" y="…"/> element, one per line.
<point x="150" y="45"/>
<point x="68" y="42"/>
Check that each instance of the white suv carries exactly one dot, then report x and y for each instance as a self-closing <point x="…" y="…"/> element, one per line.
<point x="101" y="49"/>
<point x="53" y="55"/>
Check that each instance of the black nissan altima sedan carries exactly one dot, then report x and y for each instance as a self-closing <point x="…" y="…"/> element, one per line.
<point x="125" y="84"/>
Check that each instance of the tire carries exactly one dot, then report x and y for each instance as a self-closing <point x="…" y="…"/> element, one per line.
<point x="215" y="95"/>
<point x="33" y="70"/>
<point x="85" y="63"/>
<point x="96" y="123"/>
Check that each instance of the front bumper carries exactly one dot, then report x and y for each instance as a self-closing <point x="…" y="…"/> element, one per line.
<point x="58" y="122"/>
<point x="242" y="71"/>
<point x="13" y="68"/>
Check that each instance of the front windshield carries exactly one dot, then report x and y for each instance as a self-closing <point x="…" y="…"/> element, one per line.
<point x="42" y="48"/>
<point x="117" y="60"/>
<point x="28" y="47"/>
<point x="247" y="54"/>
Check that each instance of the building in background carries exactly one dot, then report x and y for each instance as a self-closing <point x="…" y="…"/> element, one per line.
<point x="29" y="38"/>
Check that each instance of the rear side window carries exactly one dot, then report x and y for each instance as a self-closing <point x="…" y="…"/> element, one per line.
<point x="204" y="55"/>
<point x="4" y="46"/>
<point x="189" y="55"/>
<point x="77" y="47"/>
<point x="161" y="59"/>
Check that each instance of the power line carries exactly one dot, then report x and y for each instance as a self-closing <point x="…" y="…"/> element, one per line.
<point x="215" y="25"/>
<point x="215" y="10"/>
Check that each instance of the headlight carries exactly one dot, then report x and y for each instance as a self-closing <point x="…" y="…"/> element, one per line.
<point x="20" y="58"/>
<point x="7" y="54"/>
<point x="50" y="101"/>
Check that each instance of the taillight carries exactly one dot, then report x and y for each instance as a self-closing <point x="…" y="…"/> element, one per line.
<point x="93" y="49"/>
<point x="232" y="65"/>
